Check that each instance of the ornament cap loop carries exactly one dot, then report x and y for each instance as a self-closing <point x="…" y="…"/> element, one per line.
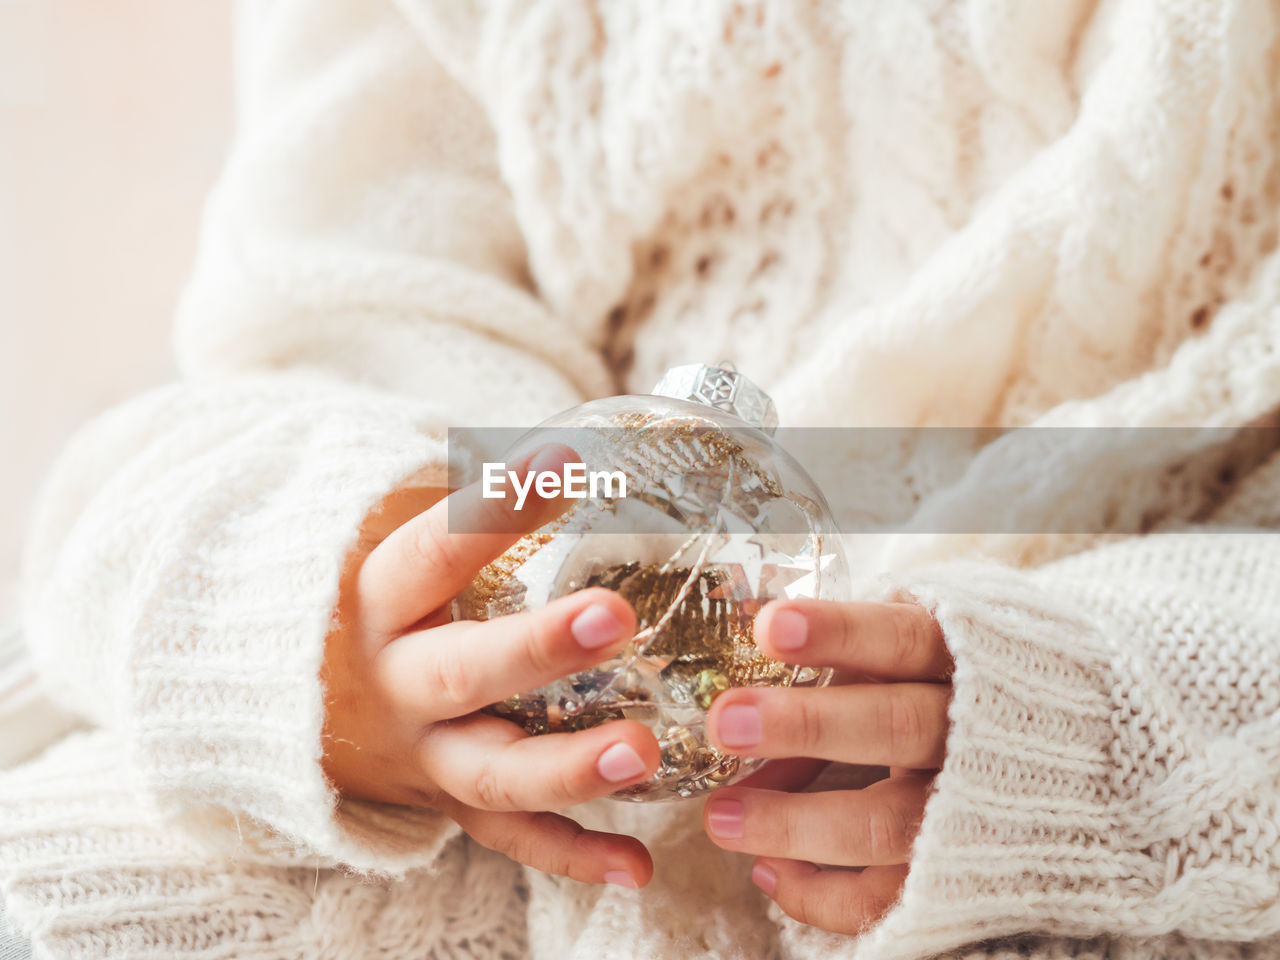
<point x="723" y="387"/>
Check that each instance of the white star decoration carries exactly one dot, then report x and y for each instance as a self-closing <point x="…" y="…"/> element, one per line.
<point x="808" y="575"/>
<point x="778" y="572"/>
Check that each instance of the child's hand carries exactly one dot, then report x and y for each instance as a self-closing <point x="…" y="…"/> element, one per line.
<point x="404" y="683"/>
<point x="889" y="708"/>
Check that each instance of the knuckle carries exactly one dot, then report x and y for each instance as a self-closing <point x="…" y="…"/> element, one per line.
<point x="558" y="862"/>
<point x="565" y="787"/>
<point x="790" y="832"/>
<point x="492" y="790"/>
<point x="809" y="724"/>
<point x="860" y="910"/>
<point x="521" y="846"/>
<point x="452" y="679"/>
<point x="902" y="723"/>
<point x="580" y="848"/>
<point x="545" y="849"/>
<point x="431" y="546"/>
<point x="539" y="651"/>
<point x="565" y="854"/>
<point x="850" y="632"/>
<point x="908" y="635"/>
<point x="887" y="834"/>
<point x="935" y="724"/>
<point x="800" y="907"/>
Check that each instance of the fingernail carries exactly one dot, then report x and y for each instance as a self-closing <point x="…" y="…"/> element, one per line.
<point x="740" y="726"/>
<point x="620" y="762"/>
<point x="724" y="818"/>
<point x="788" y="630"/>
<point x="596" y="627"/>
<point x="620" y="878"/>
<point x="764" y="878"/>
<point x="550" y="457"/>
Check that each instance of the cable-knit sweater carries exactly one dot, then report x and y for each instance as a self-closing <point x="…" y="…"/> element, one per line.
<point x="918" y="213"/>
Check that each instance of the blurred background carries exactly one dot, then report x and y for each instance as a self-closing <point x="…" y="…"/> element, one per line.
<point x="114" y="119"/>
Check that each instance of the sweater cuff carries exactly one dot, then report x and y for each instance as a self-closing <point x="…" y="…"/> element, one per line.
<point x="1020" y="832"/>
<point x="227" y="705"/>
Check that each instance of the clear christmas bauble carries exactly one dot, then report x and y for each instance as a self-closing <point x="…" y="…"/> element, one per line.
<point x="717" y="520"/>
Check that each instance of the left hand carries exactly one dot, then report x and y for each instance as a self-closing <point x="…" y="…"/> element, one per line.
<point x="887" y="707"/>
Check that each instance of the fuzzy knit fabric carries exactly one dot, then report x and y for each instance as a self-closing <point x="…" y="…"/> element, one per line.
<point x="911" y="214"/>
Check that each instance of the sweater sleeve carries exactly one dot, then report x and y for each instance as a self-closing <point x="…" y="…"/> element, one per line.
<point x="1113" y="763"/>
<point x="359" y="289"/>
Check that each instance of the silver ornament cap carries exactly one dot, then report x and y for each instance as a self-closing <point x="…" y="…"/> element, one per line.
<point x="723" y="387"/>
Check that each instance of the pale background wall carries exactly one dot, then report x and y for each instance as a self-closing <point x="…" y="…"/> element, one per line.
<point x="114" y="117"/>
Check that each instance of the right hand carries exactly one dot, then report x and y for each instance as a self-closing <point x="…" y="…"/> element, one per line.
<point x="403" y="686"/>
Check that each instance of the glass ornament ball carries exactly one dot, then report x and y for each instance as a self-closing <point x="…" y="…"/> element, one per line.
<point x="716" y="520"/>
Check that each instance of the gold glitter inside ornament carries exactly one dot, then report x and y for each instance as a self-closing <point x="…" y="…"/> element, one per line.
<point x="717" y="521"/>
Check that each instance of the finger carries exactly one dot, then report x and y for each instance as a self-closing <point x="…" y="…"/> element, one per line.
<point x="557" y="845"/>
<point x="396" y="509"/>
<point x="879" y="724"/>
<point x="423" y="563"/>
<point x="842" y="901"/>
<point x="790" y="774"/>
<point x="890" y="641"/>
<point x="494" y="765"/>
<point x="851" y="828"/>
<point x="456" y="668"/>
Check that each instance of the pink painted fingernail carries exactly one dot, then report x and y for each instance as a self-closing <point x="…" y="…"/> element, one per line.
<point x="620" y="762"/>
<point x="620" y="878"/>
<point x="740" y="726"/>
<point x="764" y="878"/>
<point x="788" y="630"/>
<point x="596" y="627"/>
<point x="725" y="819"/>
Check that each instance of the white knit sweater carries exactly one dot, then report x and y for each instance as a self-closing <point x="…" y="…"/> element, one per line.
<point x="917" y="213"/>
